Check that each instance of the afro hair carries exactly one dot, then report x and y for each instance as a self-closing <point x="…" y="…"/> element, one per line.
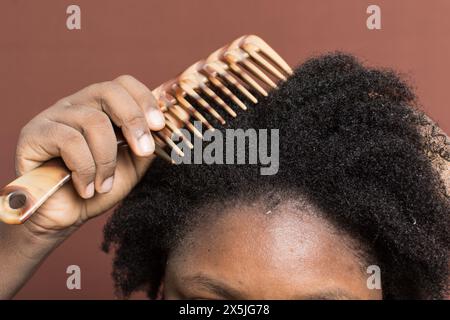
<point x="352" y="140"/>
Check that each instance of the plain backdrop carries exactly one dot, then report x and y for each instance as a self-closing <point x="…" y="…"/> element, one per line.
<point x="41" y="61"/>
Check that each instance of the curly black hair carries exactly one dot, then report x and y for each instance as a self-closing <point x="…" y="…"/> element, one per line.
<point x="352" y="140"/>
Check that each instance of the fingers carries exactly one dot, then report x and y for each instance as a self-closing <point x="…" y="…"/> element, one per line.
<point x="117" y="103"/>
<point x="80" y="129"/>
<point x="130" y="105"/>
<point x="145" y="99"/>
<point x="47" y="140"/>
<point x="98" y="132"/>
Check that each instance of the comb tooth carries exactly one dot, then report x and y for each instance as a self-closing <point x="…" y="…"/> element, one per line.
<point x="249" y="80"/>
<point x="184" y="103"/>
<point x="240" y="87"/>
<point x="261" y="45"/>
<point x="264" y="63"/>
<point x="218" y="100"/>
<point x="216" y="82"/>
<point x="194" y="130"/>
<point x="197" y="115"/>
<point x="258" y="73"/>
<point x="159" y="142"/>
<point x="176" y="130"/>
<point x="159" y="149"/>
<point x="163" y="135"/>
<point x="231" y="80"/>
<point x="191" y="92"/>
<point x="160" y="152"/>
<point x="176" y="111"/>
<point x="277" y="59"/>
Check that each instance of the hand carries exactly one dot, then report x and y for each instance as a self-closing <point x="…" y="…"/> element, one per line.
<point x="79" y="129"/>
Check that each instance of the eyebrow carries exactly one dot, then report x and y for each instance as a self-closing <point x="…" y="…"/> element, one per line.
<point x="229" y="293"/>
<point x="215" y="286"/>
<point x="336" y="294"/>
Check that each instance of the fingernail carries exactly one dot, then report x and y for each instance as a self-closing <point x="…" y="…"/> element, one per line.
<point x="89" y="192"/>
<point x="156" y="118"/>
<point x="107" y="185"/>
<point x="145" y="144"/>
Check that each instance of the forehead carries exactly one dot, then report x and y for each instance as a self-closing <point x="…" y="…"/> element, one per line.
<point x="288" y="247"/>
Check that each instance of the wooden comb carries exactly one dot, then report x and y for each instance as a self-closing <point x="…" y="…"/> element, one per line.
<point x="234" y="76"/>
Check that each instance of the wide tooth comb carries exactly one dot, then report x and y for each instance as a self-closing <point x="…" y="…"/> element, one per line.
<point x="194" y="75"/>
<point x="180" y="95"/>
<point x="171" y="123"/>
<point x="218" y="67"/>
<point x="235" y="56"/>
<point x="234" y="75"/>
<point x="212" y="76"/>
<point x="159" y="149"/>
<point x="190" y="81"/>
<point x="257" y="48"/>
<point x="169" y="105"/>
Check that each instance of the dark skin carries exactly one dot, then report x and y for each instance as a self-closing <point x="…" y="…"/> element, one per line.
<point x="250" y="252"/>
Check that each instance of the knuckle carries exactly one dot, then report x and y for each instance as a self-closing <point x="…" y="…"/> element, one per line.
<point x="31" y="134"/>
<point x="19" y="159"/>
<point x="101" y="120"/>
<point x="106" y="163"/>
<point x="143" y="94"/>
<point x="24" y="134"/>
<point x="95" y="119"/>
<point x="64" y="102"/>
<point x="146" y="99"/>
<point x="21" y="147"/>
<point x="103" y="90"/>
<point x="19" y="167"/>
<point x="69" y="137"/>
<point x="85" y="111"/>
<point x="94" y="88"/>
<point x="109" y="88"/>
<point x="86" y="170"/>
<point x="125" y="78"/>
<point x="136" y="121"/>
<point x="33" y="139"/>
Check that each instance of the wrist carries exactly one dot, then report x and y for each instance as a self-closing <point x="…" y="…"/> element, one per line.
<point x="44" y="234"/>
<point x="29" y="241"/>
<point x="21" y="252"/>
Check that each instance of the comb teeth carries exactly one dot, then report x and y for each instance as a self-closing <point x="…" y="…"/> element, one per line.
<point x="233" y="76"/>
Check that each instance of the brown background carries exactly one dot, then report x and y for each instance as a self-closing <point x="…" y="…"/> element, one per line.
<point x="41" y="61"/>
